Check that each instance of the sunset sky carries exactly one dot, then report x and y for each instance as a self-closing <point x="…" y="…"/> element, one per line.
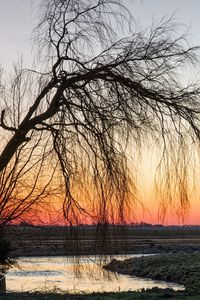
<point x="17" y="19"/>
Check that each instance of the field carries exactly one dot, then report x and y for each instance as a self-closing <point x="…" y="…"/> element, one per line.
<point x="90" y="240"/>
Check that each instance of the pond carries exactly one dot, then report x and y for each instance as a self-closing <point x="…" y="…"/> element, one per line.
<point x="83" y="274"/>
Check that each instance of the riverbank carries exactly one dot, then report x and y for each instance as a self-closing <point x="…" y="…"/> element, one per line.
<point x="182" y="268"/>
<point x="154" y="294"/>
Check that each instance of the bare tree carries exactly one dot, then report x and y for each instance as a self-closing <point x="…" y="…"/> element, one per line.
<point x="68" y="126"/>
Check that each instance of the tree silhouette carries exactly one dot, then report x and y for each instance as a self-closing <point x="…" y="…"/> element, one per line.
<point x="101" y="84"/>
<point x="5" y="247"/>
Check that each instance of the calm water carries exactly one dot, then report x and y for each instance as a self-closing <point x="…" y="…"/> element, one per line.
<point x="49" y="273"/>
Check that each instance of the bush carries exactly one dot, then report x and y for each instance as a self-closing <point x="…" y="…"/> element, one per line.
<point x="5" y="247"/>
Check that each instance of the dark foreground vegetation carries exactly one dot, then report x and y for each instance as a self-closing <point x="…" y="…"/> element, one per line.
<point x="154" y="294"/>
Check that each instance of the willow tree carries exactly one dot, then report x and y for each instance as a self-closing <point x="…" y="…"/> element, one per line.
<point x="100" y="84"/>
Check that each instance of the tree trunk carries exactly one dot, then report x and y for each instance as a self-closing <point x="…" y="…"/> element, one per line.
<point x="2" y="283"/>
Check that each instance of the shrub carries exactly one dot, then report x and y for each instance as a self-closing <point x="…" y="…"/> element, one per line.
<point x="5" y="247"/>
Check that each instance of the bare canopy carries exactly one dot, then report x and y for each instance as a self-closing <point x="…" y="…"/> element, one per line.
<point x="101" y="84"/>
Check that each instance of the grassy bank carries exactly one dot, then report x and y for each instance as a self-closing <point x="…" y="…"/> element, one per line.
<point x="182" y="268"/>
<point x="145" y="295"/>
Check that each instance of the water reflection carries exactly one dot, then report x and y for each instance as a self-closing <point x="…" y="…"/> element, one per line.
<point x="85" y="274"/>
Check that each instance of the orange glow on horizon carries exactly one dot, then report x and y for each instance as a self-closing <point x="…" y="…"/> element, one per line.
<point x="148" y="213"/>
<point x="146" y="209"/>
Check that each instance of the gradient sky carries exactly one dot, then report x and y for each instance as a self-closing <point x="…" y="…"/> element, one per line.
<point x="17" y="19"/>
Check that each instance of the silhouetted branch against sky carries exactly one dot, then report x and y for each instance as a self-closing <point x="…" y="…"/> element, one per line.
<point x="101" y="85"/>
